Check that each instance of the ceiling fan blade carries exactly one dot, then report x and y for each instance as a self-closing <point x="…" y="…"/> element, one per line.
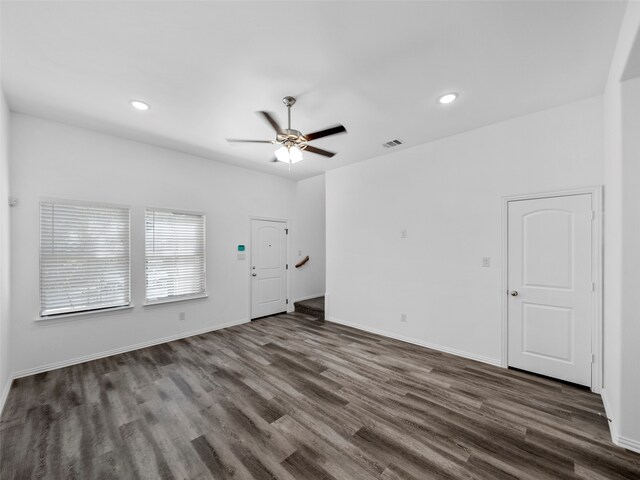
<point x="319" y="151"/>
<point x="236" y="140"/>
<point x="269" y="118"/>
<point x="325" y="133"/>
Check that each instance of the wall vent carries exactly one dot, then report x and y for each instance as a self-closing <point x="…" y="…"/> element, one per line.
<point x="392" y="143"/>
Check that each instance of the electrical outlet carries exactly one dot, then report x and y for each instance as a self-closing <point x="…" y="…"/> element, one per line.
<point x="182" y="316"/>
<point x="403" y="317"/>
<point x="299" y="253"/>
<point x="486" y="261"/>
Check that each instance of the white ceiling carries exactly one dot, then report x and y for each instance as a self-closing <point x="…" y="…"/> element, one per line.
<point x="375" y="67"/>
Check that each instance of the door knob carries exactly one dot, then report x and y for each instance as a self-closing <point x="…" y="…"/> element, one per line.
<point x="513" y="293"/>
<point x="254" y="274"/>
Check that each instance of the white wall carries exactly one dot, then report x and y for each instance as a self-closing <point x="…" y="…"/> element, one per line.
<point x="447" y="194"/>
<point x="50" y="159"/>
<point x="612" y="251"/>
<point x="629" y="427"/>
<point x="621" y="392"/>
<point x="5" y="367"/>
<point x="622" y="262"/>
<point x="308" y="229"/>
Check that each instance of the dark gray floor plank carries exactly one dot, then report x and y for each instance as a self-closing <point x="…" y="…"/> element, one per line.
<point x="286" y="398"/>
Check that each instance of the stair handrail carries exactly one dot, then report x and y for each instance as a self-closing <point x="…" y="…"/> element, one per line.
<point x="302" y="262"/>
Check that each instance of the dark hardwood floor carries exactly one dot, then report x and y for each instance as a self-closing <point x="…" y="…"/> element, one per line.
<point x="285" y="398"/>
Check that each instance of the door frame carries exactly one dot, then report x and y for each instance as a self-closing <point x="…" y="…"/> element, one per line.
<point x="596" y="259"/>
<point x="288" y="277"/>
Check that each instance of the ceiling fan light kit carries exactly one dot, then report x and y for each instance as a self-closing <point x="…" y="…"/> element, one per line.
<point x="288" y="154"/>
<point x="292" y="142"/>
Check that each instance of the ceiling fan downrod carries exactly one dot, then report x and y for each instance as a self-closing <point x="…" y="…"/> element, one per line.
<point x="289" y="102"/>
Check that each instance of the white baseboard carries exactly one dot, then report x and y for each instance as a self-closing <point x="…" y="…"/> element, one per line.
<point x="609" y="413"/>
<point x="421" y="343"/>
<point x="5" y="393"/>
<point x="129" y="348"/>
<point x="628" y="443"/>
<point x="624" y="442"/>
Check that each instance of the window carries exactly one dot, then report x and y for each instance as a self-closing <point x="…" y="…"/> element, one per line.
<point x="175" y="256"/>
<point x="84" y="257"/>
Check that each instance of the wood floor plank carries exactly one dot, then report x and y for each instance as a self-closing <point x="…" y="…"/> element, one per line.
<point x="287" y="397"/>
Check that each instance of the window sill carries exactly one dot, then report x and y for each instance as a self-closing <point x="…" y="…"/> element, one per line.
<point x="164" y="301"/>
<point x="102" y="311"/>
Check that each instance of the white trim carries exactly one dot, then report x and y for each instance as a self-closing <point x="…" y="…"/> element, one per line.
<point x="82" y="203"/>
<point x="628" y="443"/>
<point x="129" y="348"/>
<point x="97" y="311"/>
<point x="177" y="211"/>
<point x="420" y="343"/>
<point x="165" y="300"/>
<point x="608" y="412"/>
<point x="616" y="438"/>
<point x="597" y="243"/>
<point x="5" y="393"/>
<point x="268" y="219"/>
<point x="326" y="306"/>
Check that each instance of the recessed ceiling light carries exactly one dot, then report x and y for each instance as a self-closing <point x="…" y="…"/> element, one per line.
<point x="448" y="98"/>
<point x="139" y="105"/>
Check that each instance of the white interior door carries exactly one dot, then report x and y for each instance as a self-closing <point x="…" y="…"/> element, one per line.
<point x="550" y="286"/>
<point x="268" y="268"/>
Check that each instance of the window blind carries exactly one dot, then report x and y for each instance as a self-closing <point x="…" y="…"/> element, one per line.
<point x="84" y="257"/>
<point x="175" y="255"/>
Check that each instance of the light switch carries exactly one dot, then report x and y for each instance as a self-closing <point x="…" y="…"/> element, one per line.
<point x="403" y="233"/>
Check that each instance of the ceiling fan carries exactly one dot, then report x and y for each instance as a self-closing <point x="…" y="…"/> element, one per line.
<point x="293" y="142"/>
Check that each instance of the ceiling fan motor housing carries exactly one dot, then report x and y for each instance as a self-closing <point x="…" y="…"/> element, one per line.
<point x="291" y="138"/>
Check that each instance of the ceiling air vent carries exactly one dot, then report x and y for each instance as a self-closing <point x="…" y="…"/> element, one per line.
<point x="392" y="143"/>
